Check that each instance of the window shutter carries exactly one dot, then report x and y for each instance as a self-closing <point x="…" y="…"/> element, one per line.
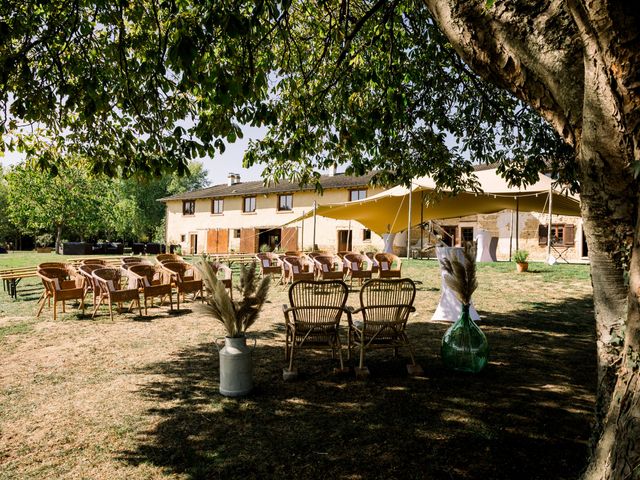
<point x="569" y="234"/>
<point x="543" y="234"/>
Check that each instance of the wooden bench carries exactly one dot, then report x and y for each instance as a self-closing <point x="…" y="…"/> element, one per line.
<point x="11" y="276"/>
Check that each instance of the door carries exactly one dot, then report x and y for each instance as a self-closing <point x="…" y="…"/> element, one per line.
<point x="290" y="239"/>
<point x="248" y="240"/>
<point x="193" y="243"/>
<point x="218" y="240"/>
<point x="344" y="241"/>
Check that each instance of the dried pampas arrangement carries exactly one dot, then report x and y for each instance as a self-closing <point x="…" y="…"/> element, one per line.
<point x="460" y="275"/>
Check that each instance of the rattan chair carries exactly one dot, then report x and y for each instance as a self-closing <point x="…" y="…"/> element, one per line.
<point x="51" y="265"/>
<point x="126" y="262"/>
<point x="385" y="305"/>
<point x="328" y="267"/>
<point x="296" y="268"/>
<point x="183" y="275"/>
<point x="312" y="319"/>
<point x="60" y="285"/>
<point x="108" y="281"/>
<point x="374" y="263"/>
<point x="270" y="263"/>
<point x="89" y="282"/>
<point x="149" y="282"/>
<point x="358" y="267"/>
<point x="93" y="261"/>
<point x="171" y="257"/>
<point x="390" y="265"/>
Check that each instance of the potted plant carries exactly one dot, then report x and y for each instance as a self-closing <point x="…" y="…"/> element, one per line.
<point x="464" y="345"/>
<point x="520" y="257"/>
<point x="237" y="316"/>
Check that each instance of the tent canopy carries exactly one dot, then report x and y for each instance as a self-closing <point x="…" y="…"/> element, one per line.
<point x="387" y="212"/>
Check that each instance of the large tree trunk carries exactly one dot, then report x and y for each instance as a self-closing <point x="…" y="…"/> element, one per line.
<point x="577" y="64"/>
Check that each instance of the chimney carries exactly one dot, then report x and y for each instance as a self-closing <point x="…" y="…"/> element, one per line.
<point x="236" y="178"/>
<point x="231" y="179"/>
<point x="332" y="170"/>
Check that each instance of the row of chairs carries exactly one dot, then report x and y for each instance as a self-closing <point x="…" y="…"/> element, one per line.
<point x="108" y="285"/>
<point x="293" y="266"/>
<point x="316" y="309"/>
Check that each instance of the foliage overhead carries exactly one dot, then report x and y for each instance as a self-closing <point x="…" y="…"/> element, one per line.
<point x="145" y="86"/>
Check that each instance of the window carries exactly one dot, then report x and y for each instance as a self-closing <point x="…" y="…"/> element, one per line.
<point x="357" y="195"/>
<point x="467" y="234"/>
<point x="249" y="204"/>
<point x="366" y="235"/>
<point x="188" y="207"/>
<point x="236" y="233"/>
<point x="217" y="205"/>
<point x="562" y="234"/>
<point x="285" y="203"/>
<point x="183" y="238"/>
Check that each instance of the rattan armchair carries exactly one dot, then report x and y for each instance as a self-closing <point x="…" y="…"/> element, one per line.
<point x="390" y="265"/>
<point x="358" y="267"/>
<point x="183" y="275"/>
<point x="110" y="291"/>
<point x="149" y="282"/>
<point x="385" y="305"/>
<point x="296" y="268"/>
<point x="60" y="285"/>
<point x="89" y="282"/>
<point x="270" y="263"/>
<point x="168" y="257"/>
<point x="328" y="267"/>
<point x="312" y="318"/>
<point x="93" y="261"/>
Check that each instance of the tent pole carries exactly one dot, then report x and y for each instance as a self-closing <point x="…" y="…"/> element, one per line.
<point x="421" y="222"/>
<point x="313" y="247"/>
<point x="302" y="233"/>
<point x="511" y="236"/>
<point x="517" y="222"/>
<point x="549" y="226"/>
<point x="409" y="222"/>
<point x="349" y="239"/>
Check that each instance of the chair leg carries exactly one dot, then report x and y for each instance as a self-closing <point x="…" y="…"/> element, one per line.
<point x="111" y="310"/>
<point x="140" y="308"/>
<point x="42" y="302"/>
<point x="145" y="305"/>
<point x="96" y="306"/>
<point x="55" y="309"/>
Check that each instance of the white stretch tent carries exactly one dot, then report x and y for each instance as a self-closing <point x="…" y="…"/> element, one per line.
<point x="388" y="211"/>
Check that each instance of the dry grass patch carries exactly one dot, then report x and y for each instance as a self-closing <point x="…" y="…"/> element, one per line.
<point x="137" y="398"/>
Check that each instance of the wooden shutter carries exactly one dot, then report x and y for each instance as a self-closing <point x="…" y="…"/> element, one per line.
<point x="248" y="240"/>
<point x="212" y="241"/>
<point x="543" y="234"/>
<point x="223" y="240"/>
<point x="289" y="240"/>
<point x="569" y="235"/>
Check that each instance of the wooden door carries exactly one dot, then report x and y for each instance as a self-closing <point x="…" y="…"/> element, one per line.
<point x="345" y="241"/>
<point x="248" y="240"/>
<point x="218" y="240"/>
<point x="289" y="239"/>
<point x="193" y="243"/>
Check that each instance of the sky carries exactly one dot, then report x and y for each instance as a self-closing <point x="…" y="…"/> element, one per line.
<point x="218" y="168"/>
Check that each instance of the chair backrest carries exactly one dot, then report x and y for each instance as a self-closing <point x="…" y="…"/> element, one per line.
<point x="51" y="265"/>
<point x="53" y="277"/>
<point x="108" y="278"/>
<point x="163" y="257"/>
<point x="221" y="268"/>
<point x="268" y="259"/>
<point x="145" y="273"/>
<point x="317" y="254"/>
<point x="318" y="301"/>
<point x="389" y="300"/>
<point x="372" y="256"/>
<point x="326" y="262"/>
<point x="93" y="261"/>
<point x="388" y="261"/>
<point x="341" y="254"/>
<point x="296" y="264"/>
<point x="179" y="269"/>
<point x="356" y="261"/>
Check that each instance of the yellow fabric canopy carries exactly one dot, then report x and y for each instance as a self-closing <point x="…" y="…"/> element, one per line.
<point x="387" y="212"/>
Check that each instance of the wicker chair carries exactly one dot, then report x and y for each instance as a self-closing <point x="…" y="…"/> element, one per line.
<point x="270" y="263"/>
<point x="90" y="284"/>
<point x="150" y="283"/>
<point x="60" y="285"/>
<point x="374" y="263"/>
<point x="385" y="305"/>
<point x="296" y="268"/>
<point x="358" y="267"/>
<point x="110" y="291"/>
<point x="224" y="274"/>
<point x="328" y="267"/>
<point x="126" y="262"/>
<point x="313" y="318"/>
<point x="51" y="265"/>
<point x="185" y="279"/>
<point x="390" y="265"/>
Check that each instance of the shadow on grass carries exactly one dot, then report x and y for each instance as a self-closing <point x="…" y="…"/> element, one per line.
<point x="526" y="416"/>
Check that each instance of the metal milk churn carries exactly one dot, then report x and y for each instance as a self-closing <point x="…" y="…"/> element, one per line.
<point x="236" y="366"/>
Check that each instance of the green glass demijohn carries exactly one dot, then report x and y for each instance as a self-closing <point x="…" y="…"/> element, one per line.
<point x="464" y="345"/>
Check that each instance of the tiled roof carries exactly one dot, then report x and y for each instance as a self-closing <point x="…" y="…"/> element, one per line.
<point x="339" y="180"/>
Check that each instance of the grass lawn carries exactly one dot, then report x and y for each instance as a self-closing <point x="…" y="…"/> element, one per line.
<point x="138" y="398"/>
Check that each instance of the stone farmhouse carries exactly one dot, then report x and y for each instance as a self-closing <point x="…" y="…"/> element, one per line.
<point x="245" y="217"/>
